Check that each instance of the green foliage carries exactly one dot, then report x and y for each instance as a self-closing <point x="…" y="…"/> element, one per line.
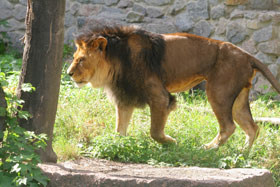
<point x="269" y="101"/>
<point x="9" y="64"/>
<point x="67" y="51"/>
<point x="3" y="37"/>
<point x="18" y="159"/>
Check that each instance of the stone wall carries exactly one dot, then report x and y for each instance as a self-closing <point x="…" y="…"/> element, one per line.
<point x="254" y="25"/>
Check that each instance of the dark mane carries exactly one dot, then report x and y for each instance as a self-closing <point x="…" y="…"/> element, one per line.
<point x="135" y="65"/>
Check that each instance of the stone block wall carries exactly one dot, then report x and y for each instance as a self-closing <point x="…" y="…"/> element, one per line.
<point x="253" y="25"/>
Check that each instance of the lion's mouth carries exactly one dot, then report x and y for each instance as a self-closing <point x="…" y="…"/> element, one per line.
<point x="80" y="84"/>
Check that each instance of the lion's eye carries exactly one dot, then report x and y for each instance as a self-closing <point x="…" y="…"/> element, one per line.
<point x="80" y="60"/>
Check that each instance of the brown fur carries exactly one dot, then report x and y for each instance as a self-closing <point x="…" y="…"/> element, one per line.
<point x="137" y="68"/>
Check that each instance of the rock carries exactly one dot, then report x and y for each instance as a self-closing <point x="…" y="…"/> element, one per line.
<point x="84" y="1"/>
<point x="74" y="8"/>
<point x="67" y="6"/>
<point x="97" y="21"/>
<point x="23" y="2"/>
<point x="202" y="28"/>
<point x="19" y="12"/>
<point x="162" y="27"/>
<point x="69" y="20"/>
<point x="270" y="47"/>
<point x="198" y="10"/>
<point x="125" y="4"/>
<point x="14" y="1"/>
<point x="134" y="17"/>
<point x="183" y="22"/>
<point x="89" y="9"/>
<point x="217" y="12"/>
<point x="276" y="18"/>
<point x="111" y="2"/>
<point x="5" y="10"/>
<point x="237" y="14"/>
<point x="274" y="69"/>
<point x="97" y="1"/>
<point x="15" y="37"/>
<point x="154" y="12"/>
<point x="14" y="26"/>
<point x="177" y="7"/>
<point x="213" y="2"/>
<point x="264" y="58"/>
<point x="220" y="38"/>
<point x="139" y="9"/>
<point x="249" y="46"/>
<point x="263" y="34"/>
<point x="253" y="95"/>
<point x="265" y="17"/>
<point x="253" y="24"/>
<point x="278" y="61"/>
<point x="112" y="13"/>
<point x="236" y="2"/>
<point x="221" y="27"/>
<point x="109" y="174"/>
<point x="69" y="35"/>
<point x="81" y="21"/>
<point x="262" y="85"/>
<point x="261" y="4"/>
<point x="250" y="14"/>
<point x="235" y="32"/>
<point x="157" y="2"/>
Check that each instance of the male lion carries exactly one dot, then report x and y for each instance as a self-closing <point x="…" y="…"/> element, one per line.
<point x="137" y="67"/>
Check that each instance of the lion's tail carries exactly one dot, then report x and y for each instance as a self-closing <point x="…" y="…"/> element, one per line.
<point x="266" y="72"/>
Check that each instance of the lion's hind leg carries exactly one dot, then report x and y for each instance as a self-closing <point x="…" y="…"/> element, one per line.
<point x="221" y="103"/>
<point x="242" y="115"/>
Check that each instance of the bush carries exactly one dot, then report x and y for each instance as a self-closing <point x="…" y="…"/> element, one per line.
<point x="3" y="38"/>
<point x="18" y="158"/>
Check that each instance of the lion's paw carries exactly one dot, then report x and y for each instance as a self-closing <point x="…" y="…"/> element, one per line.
<point x="210" y="146"/>
<point x="169" y="140"/>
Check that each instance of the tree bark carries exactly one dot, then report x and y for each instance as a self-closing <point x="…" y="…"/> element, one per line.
<point x="3" y="105"/>
<point x="42" y="67"/>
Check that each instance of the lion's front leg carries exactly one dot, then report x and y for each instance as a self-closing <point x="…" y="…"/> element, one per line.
<point x="158" y="120"/>
<point x="160" y="108"/>
<point x="123" y="115"/>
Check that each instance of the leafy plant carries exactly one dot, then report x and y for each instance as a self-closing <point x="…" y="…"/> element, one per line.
<point x="9" y="64"/>
<point x="3" y="37"/>
<point x="67" y="51"/>
<point x="18" y="157"/>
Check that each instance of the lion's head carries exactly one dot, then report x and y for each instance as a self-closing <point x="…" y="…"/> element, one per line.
<point x="89" y="64"/>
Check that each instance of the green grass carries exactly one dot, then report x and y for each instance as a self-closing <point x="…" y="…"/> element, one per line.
<point x="86" y="121"/>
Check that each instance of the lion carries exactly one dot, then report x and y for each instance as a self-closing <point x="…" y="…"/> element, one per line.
<point x="138" y="68"/>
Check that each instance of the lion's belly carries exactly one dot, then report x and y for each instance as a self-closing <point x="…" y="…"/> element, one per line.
<point x="183" y="85"/>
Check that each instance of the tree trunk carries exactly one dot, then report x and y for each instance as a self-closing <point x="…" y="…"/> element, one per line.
<point x="42" y="66"/>
<point x="3" y="106"/>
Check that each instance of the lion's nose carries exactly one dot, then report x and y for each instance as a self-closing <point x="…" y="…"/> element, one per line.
<point x="70" y="74"/>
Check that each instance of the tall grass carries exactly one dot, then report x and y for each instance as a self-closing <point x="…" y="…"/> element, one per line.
<point x="86" y="121"/>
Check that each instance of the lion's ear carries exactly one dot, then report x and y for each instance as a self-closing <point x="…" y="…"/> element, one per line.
<point x="79" y="44"/>
<point x="100" y="43"/>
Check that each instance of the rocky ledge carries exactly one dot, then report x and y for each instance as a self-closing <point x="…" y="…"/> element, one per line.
<point x="95" y="172"/>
